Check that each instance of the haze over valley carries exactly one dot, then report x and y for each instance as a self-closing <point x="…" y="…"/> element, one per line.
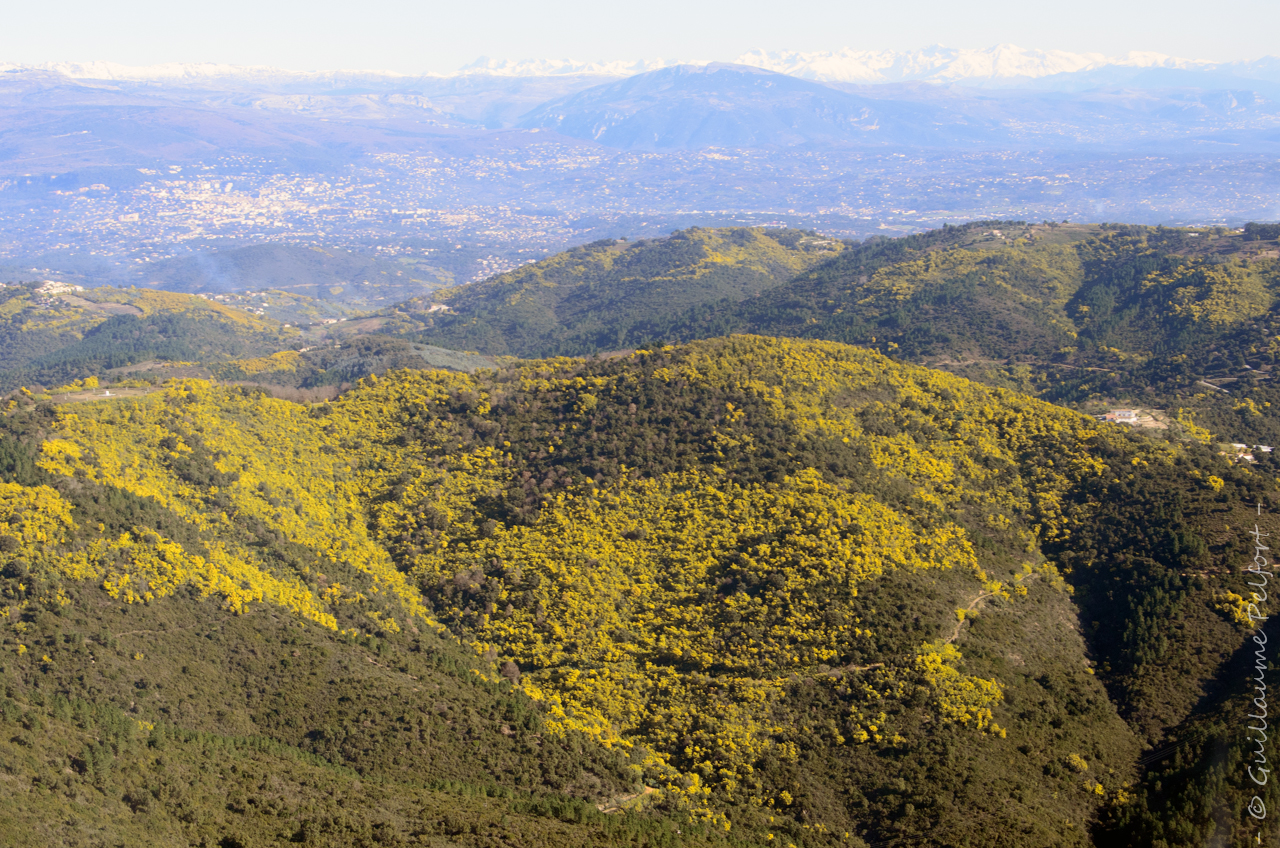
<point x="111" y="172"/>
<point x="819" y="448"/>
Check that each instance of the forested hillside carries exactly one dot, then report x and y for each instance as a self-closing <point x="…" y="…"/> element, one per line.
<point x="752" y="590"/>
<point x="606" y="294"/>
<point x="52" y="339"/>
<point x="1067" y="312"/>
<point x="339" y="366"/>
<point x="1057" y="296"/>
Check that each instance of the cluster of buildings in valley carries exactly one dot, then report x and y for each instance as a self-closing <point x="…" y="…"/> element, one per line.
<point x="1242" y="452"/>
<point x="1234" y="451"/>
<point x="502" y="206"/>
<point x="55" y="287"/>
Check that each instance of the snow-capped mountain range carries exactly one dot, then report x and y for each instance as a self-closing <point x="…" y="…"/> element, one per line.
<point x="177" y="72"/>
<point x="1004" y="65"/>
<point x="1004" y="62"/>
<point x="561" y="67"/>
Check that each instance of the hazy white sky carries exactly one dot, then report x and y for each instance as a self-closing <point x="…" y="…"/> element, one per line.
<point x="435" y="36"/>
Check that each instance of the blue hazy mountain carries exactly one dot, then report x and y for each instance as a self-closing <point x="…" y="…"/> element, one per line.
<point x="51" y="122"/>
<point x="1261" y="76"/>
<point x="112" y="174"/>
<point x="724" y="105"/>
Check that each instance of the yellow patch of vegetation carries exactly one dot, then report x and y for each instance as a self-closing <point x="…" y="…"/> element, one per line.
<point x="958" y="698"/>
<point x="668" y="614"/>
<point x="152" y="301"/>
<point x="1044" y="275"/>
<point x="1214" y="294"/>
<point x="284" y="361"/>
<point x="32" y="518"/>
<point x="276" y="463"/>
<point x="620" y="576"/>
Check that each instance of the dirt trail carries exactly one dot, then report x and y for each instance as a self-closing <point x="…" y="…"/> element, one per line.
<point x="977" y="603"/>
<point x="109" y="308"/>
<point x="617" y="803"/>
<point x="99" y="394"/>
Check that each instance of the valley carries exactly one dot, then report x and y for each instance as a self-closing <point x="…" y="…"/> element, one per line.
<point x="206" y="179"/>
<point x="691" y="425"/>
<point x="691" y="548"/>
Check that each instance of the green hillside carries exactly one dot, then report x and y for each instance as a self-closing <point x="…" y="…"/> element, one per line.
<point x="607" y="294"/>
<point x="1075" y="295"/>
<point x="333" y="279"/>
<point x="1176" y="319"/>
<point x="340" y="365"/>
<point x="291" y="308"/>
<point x="1071" y="313"/>
<point x="52" y="339"/>
<point x="756" y="591"/>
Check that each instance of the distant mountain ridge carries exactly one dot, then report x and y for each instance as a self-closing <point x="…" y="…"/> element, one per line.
<point x="1072" y="311"/>
<point x="737" y="106"/>
<point x="723" y="105"/>
<point x="934" y="97"/>
<point x="1002" y="65"/>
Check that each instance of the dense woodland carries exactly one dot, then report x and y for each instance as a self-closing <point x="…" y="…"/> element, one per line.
<point x="1181" y="321"/>
<point x="51" y="341"/>
<point x="750" y="590"/>
<point x="745" y="591"/>
<point x="1071" y="313"/>
<point x="608" y="294"/>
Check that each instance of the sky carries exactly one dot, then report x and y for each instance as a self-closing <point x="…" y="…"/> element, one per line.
<point x="440" y="37"/>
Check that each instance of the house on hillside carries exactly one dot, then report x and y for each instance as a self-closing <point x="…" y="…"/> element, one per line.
<point x="1122" y="416"/>
<point x="51" y="287"/>
<point x="1236" y="452"/>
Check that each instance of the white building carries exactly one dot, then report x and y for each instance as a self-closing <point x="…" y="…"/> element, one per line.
<point x="55" y="287"/>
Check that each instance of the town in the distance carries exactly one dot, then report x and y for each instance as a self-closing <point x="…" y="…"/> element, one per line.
<point x="827" y="449"/>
